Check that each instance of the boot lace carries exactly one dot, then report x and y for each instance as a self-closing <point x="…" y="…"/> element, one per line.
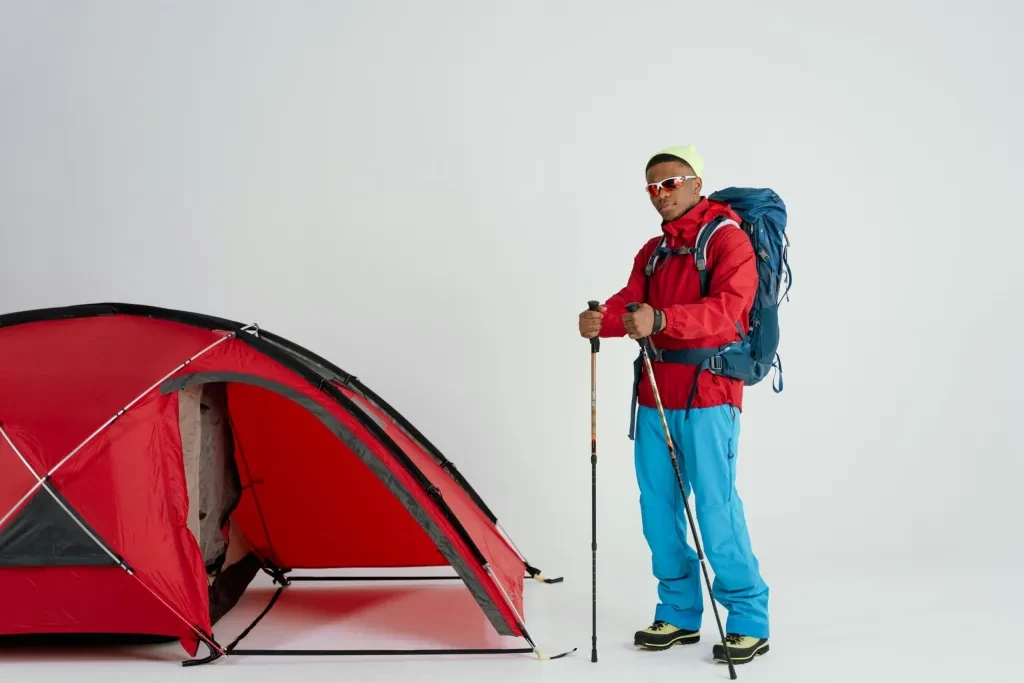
<point x="658" y="625"/>
<point x="733" y="639"/>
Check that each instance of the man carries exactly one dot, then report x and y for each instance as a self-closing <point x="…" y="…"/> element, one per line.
<point x="701" y="408"/>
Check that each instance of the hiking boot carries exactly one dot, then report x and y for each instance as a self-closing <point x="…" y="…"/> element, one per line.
<point x="742" y="649"/>
<point x="661" y="635"/>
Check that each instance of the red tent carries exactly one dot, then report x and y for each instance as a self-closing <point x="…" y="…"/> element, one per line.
<point x="153" y="461"/>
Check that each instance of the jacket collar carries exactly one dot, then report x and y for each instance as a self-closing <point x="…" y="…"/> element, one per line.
<point x="683" y="230"/>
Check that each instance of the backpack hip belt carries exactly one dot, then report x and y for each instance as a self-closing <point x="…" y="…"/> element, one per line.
<point x="716" y="360"/>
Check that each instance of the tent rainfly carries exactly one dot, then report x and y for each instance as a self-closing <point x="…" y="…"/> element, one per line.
<point x="153" y="462"/>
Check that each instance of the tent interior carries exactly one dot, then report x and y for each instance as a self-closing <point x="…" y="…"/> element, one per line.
<point x="214" y="488"/>
<point x="267" y="479"/>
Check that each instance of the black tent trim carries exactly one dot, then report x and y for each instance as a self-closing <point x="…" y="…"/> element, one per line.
<point x="316" y="369"/>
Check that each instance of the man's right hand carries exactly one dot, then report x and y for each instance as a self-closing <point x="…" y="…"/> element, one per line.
<point x="590" y="322"/>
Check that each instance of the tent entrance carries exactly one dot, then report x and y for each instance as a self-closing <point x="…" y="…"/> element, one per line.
<point x="214" y="492"/>
<point x="246" y="449"/>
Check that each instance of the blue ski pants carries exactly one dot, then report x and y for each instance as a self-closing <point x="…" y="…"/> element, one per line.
<point x="706" y="449"/>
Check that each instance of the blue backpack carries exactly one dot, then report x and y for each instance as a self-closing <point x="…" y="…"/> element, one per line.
<point x="763" y="216"/>
<point x="763" y="221"/>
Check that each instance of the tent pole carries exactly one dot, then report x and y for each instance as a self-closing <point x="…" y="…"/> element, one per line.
<point x="383" y="653"/>
<point x="232" y="648"/>
<point x="44" y="483"/>
<point x="109" y="422"/>
<point x="522" y="622"/>
<point x="252" y="486"/>
<point x="375" y="578"/>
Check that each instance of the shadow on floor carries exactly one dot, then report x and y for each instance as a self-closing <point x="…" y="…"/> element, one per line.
<point x="339" y="616"/>
<point x="441" y="616"/>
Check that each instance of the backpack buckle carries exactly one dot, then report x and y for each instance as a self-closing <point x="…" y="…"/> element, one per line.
<point x="716" y="364"/>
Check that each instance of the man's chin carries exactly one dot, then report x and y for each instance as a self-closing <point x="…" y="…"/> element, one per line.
<point x="670" y="214"/>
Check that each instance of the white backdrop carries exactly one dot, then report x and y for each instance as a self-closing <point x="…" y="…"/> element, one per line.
<point x="350" y="174"/>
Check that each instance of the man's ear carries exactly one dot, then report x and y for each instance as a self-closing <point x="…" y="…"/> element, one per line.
<point x="698" y="185"/>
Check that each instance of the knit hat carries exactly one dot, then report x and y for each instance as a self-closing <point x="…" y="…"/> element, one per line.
<point x="688" y="154"/>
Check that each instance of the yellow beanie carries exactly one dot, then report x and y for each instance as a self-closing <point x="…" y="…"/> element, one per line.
<point x="688" y="154"/>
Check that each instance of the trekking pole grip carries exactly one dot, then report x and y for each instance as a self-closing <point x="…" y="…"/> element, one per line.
<point x="595" y="342"/>
<point x="633" y="308"/>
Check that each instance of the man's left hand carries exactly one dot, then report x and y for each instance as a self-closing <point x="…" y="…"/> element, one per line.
<point x="640" y="324"/>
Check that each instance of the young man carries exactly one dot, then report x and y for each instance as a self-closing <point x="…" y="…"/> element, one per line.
<point x="701" y="408"/>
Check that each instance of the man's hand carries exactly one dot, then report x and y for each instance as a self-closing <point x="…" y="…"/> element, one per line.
<point x="640" y="324"/>
<point x="590" y="322"/>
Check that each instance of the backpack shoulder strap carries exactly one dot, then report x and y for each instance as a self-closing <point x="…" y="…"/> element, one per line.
<point x="652" y="262"/>
<point x="660" y="250"/>
<point x="700" y="250"/>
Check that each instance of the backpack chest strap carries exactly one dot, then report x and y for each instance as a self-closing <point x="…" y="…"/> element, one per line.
<point x="699" y="251"/>
<point x="662" y="251"/>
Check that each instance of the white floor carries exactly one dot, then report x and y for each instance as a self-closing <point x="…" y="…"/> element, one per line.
<point x="907" y="627"/>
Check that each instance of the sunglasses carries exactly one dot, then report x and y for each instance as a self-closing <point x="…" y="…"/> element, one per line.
<point x="654" y="189"/>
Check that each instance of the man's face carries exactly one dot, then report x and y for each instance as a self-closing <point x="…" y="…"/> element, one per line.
<point x="673" y="203"/>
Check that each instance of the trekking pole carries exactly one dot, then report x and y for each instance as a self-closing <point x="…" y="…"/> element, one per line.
<point x="595" y="346"/>
<point x="644" y="342"/>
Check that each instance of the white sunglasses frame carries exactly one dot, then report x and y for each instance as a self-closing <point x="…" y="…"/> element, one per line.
<point x="661" y="184"/>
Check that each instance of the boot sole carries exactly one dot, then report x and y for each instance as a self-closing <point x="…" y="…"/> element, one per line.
<point x="686" y="639"/>
<point x="743" y="660"/>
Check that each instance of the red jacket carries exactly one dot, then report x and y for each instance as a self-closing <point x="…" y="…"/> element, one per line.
<point x="692" y="321"/>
